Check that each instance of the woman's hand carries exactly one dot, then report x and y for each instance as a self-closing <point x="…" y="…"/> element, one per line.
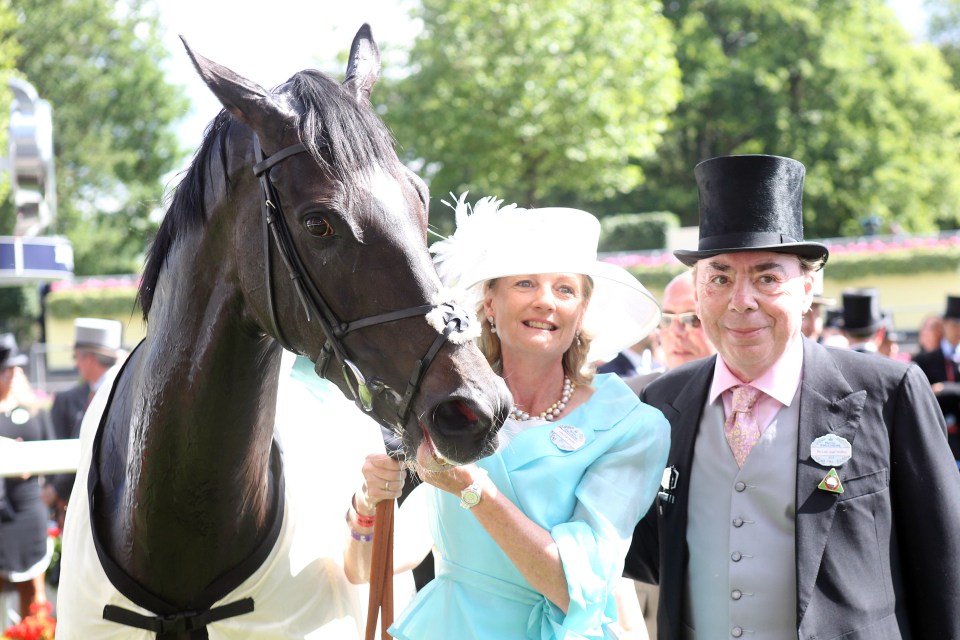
<point x="445" y="476"/>
<point x="456" y="479"/>
<point x="382" y="480"/>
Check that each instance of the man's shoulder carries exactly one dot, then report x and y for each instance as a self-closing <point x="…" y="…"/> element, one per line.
<point x="927" y="359"/>
<point x="857" y="366"/>
<point x="639" y="381"/>
<point x="670" y="382"/>
<point x="78" y="391"/>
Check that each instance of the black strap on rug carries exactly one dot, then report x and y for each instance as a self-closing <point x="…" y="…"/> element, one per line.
<point x="169" y="627"/>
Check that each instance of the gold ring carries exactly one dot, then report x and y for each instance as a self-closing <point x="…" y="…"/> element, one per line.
<point x="386" y="487"/>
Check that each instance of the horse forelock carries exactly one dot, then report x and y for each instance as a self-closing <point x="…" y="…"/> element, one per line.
<point x="342" y="133"/>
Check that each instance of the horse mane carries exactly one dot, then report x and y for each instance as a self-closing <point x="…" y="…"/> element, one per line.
<point x="343" y="134"/>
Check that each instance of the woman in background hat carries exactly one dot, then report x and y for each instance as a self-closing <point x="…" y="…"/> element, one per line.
<point x="25" y="549"/>
<point x="530" y="540"/>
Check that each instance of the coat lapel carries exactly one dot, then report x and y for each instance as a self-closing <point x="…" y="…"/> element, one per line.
<point x="827" y="405"/>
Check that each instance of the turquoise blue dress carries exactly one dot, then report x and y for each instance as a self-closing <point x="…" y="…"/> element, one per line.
<point x="589" y="499"/>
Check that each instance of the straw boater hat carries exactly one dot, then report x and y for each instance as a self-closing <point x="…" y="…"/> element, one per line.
<point x="493" y="241"/>
<point x="10" y="355"/>
<point x="98" y="335"/>
<point x="751" y="203"/>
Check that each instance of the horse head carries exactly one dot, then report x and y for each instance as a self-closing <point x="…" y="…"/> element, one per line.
<point x="331" y="254"/>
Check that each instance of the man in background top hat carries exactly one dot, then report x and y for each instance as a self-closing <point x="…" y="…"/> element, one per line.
<point x="942" y="367"/>
<point x="97" y="347"/>
<point x="809" y="492"/>
<point x="863" y="323"/>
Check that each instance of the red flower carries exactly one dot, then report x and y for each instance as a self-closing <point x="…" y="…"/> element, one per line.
<point x="39" y="625"/>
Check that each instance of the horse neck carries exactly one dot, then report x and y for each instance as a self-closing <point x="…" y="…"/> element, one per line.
<point x="203" y="416"/>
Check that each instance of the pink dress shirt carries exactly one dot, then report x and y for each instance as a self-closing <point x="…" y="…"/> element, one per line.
<point x="778" y="383"/>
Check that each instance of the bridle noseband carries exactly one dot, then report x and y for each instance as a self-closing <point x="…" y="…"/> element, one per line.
<point x="275" y="227"/>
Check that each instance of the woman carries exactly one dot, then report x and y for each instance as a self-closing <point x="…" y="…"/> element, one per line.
<point x="25" y="549"/>
<point x="530" y="540"/>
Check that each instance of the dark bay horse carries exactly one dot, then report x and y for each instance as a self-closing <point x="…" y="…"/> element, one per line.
<point x="296" y="225"/>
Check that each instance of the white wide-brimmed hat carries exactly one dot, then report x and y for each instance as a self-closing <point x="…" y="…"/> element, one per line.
<point x="493" y="241"/>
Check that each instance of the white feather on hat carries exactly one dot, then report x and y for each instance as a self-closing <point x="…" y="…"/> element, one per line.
<point x="492" y="241"/>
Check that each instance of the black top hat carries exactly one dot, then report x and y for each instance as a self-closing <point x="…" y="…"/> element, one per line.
<point x="751" y="203"/>
<point x="861" y="311"/>
<point x="833" y="318"/>
<point x="953" y="308"/>
<point x="10" y="355"/>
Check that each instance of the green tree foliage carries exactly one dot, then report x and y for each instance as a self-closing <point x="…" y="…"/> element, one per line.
<point x="837" y="85"/>
<point x="527" y="100"/>
<point x="8" y="52"/>
<point x="98" y="63"/>
<point x="944" y="31"/>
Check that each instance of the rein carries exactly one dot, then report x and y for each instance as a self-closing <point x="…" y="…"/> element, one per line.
<point x="275" y="227"/>
<point x="380" y="601"/>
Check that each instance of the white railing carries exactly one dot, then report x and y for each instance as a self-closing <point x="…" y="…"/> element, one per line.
<point x="38" y="458"/>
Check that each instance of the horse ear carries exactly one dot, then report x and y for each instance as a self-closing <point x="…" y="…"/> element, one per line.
<point x="363" y="69"/>
<point x="245" y="100"/>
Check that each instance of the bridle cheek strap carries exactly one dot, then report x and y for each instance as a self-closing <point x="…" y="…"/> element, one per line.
<point x="275" y="228"/>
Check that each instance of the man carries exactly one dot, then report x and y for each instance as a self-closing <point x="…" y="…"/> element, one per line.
<point x="864" y="324"/>
<point x="842" y="519"/>
<point x="942" y="367"/>
<point x="97" y="346"/>
<point x="930" y="333"/>
<point x="813" y="320"/>
<point x="681" y="337"/>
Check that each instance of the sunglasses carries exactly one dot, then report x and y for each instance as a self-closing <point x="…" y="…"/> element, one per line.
<point x="689" y="320"/>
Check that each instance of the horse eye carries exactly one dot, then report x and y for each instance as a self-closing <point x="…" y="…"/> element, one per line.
<point x="319" y="226"/>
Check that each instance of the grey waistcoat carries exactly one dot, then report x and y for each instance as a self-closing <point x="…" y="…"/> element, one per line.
<point x="741" y="576"/>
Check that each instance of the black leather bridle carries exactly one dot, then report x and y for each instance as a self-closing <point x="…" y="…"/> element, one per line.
<point x="275" y="227"/>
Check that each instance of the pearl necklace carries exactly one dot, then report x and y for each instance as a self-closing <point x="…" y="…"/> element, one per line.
<point x="553" y="410"/>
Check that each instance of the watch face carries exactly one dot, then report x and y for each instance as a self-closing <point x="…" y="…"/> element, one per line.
<point x="470" y="496"/>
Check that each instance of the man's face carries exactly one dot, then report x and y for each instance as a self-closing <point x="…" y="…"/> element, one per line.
<point x="751" y="306"/>
<point x="682" y="342"/>
<point x="86" y="365"/>
<point x="951" y="331"/>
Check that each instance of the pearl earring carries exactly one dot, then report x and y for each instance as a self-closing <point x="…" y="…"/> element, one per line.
<point x="493" y="327"/>
<point x="578" y="338"/>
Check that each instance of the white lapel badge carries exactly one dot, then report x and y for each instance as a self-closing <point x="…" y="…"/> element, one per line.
<point x="567" y="438"/>
<point x="831" y="450"/>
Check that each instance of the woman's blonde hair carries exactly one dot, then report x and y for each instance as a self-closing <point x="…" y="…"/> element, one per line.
<point x="575" y="363"/>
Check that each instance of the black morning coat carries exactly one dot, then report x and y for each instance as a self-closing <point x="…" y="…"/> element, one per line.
<point x="879" y="561"/>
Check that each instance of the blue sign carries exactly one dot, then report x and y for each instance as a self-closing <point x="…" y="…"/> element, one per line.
<point x="34" y="259"/>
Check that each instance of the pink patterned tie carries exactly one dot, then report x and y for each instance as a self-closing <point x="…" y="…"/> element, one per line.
<point x="741" y="426"/>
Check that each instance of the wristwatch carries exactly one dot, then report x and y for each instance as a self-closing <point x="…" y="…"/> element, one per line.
<point x="470" y="496"/>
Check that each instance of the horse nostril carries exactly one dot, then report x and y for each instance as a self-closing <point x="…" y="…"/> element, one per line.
<point x="466" y="411"/>
<point x="455" y="419"/>
<point x="461" y="431"/>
